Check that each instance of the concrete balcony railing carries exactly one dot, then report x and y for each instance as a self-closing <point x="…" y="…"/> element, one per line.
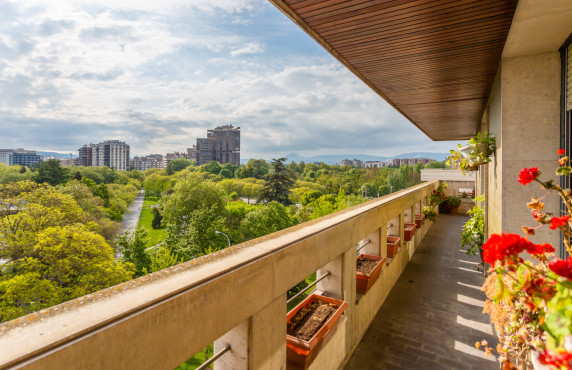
<point x="236" y="297"/>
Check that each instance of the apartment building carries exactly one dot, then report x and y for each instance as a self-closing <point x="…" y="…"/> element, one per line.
<point x="110" y="153"/>
<point x="19" y="156"/>
<point x="222" y="144"/>
<point x="144" y="163"/>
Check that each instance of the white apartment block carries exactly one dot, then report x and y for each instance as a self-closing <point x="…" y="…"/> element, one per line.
<point x="6" y="157"/>
<point x="110" y="153"/>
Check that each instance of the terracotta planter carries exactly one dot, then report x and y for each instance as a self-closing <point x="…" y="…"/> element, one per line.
<point x="419" y="220"/>
<point x="301" y="353"/>
<point x="392" y="245"/>
<point x="409" y="231"/>
<point x="365" y="281"/>
<point x="446" y="209"/>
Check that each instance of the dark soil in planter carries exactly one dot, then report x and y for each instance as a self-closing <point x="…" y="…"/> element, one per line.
<point x="308" y="320"/>
<point x="365" y="265"/>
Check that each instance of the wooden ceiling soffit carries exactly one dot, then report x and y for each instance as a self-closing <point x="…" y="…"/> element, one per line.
<point x="433" y="60"/>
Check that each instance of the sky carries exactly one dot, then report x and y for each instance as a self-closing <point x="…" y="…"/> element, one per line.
<point x="158" y="74"/>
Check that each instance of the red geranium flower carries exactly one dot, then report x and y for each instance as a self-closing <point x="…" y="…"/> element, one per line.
<point x="556" y="222"/>
<point x="561" y="152"/>
<point x="562" y="161"/>
<point x="562" y="267"/>
<point x="506" y="248"/>
<point x="527" y="175"/>
<point x="540" y="248"/>
<point x="558" y="359"/>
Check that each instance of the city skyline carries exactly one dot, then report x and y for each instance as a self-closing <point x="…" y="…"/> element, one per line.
<point x="159" y="75"/>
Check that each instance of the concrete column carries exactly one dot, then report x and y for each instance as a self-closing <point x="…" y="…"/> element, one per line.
<point x="267" y="339"/>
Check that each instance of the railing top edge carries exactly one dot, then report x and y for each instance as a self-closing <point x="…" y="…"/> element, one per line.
<point x="195" y="274"/>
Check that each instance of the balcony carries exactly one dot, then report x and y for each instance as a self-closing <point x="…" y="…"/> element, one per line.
<point x="236" y="297"/>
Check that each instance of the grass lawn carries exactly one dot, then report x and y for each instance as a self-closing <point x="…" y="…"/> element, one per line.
<point x="155" y="235"/>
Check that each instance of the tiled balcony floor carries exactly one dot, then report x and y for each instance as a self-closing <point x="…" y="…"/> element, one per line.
<point x="433" y="315"/>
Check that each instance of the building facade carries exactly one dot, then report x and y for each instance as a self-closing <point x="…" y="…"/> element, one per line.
<point x="19" y="156"/>
<point x="222" y="144"/>
<point x="148" y="162"/>
<point x="6" y="157"/>
<point x="110" y="153"/>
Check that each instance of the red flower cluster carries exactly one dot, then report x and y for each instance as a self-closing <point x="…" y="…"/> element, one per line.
<point x="558" y="359"/>
<point x="527" y="175"/>
<point x="556" y="222"/>
<point x="507" y="247"/>
<point x="562" y="267"/>
<point x="561" y="152"/>
<point x="539" y="287"/>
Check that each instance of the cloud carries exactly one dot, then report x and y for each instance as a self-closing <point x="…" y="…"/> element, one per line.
<point x="159" y="74"/>
<point x="110" y="75"/>
<point x="118" y="33"/>
<point x="250" y="48"/>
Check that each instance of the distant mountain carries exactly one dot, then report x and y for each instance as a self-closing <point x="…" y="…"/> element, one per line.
<point x="435" y="156"/>
<point x="336" y="158"/>
<point x="57" y="155"/>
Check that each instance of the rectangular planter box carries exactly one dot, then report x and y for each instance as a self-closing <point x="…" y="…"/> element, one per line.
<point x="365" y="281"/>
<point x="301" y="353"/>
<point x="392" y="245"/>
<point x="409" y="231"/>
<point x="419" y="220"/>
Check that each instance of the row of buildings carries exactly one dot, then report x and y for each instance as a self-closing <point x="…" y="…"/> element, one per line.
<point x="395" y="162"/>
<point x="19" y="156"/>
<point x="222" y="145"/>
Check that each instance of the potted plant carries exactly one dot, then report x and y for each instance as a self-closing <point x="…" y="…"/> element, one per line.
<point x="477" y="152"/>
<point x="438" y="195"/>
<point x="473" y="233"/>
<point x="368" y="268"/>
<point x="392" y="246"/>
<point x="409" y="231"/>
<point x="430" y="213"/>
<point x="530" y="300"/>
<point x="450" y="205"/>
<point x="309" y="326"/>
<point x="419" y="220"/>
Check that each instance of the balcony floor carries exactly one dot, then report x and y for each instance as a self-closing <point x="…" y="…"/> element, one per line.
<point x="433" y="315"/>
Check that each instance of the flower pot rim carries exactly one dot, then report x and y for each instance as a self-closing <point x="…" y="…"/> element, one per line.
<point x="317" y="337"/>
<point x="397" y="238"/>
<point x="381" y="260"/>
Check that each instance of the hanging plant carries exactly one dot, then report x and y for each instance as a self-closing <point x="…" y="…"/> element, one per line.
<point x="477" y="152"/>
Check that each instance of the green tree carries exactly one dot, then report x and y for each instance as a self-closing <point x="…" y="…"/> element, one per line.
<point x="436" y="164"/>
<point x="257" y="168"/>
<point x="132" y="249"/>
<point x="226" y="173"/>
<point x="277" y="187"/>
<point x="310" y="196"/>
<point x="77" y="260"/>
<point x="266" y="219"/>
<point x="157" y="218"/>
<point x="52" y="172"/>
<point x="212" y="167"/>
<point x="26" y="293"/>
<point x="92" y="206"/>
<point x="198" y="235"/>
<point x="191" y="215"/>
<point x="177" y="165"/>
<point x="156" y="185"/>
<point x="28" y="208"/>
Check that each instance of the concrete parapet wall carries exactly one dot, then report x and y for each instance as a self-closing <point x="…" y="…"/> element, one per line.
<point x="236" y="296"/>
